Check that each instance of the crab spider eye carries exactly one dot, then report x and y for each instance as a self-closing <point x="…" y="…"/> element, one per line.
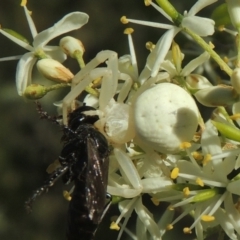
<point x="165" y="116"/>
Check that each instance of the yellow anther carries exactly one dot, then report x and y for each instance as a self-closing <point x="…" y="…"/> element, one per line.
<point x="235" y="116"/>
<point x="187" y="230"/>
<point x="67" y="195"/>
<point x="170" y="208"/>
<point x="200" y="182"/>
<point x="207" y="218"/>
<point x="147" y="2"/>
<point x="174" y="173"/>
<point x="124" y="20"/>
<point x="225" y="59"/>
<point x="155" y="201"/>
<point x="221" y="28"/>
<point x="169" y="227"/>
<point x="206" y="159"/>
<point x="150" y="46"/>
<point x="185" y="145"/>
<point x="23" y="3"/>
<point x="128" y="31"/>
<point x="197" y="155"/>
<point x="114" y="226"/>
<point x="211" y="45"/>
<point x="186" y="191"/>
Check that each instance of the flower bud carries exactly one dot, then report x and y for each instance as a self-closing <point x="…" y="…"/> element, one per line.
<point x="35" y="91"/>
<point x="71" y="46"/>
<point x="165" y="116"/>
<point x="234" y="12"/>
<point x="54" y="70"/>
<point x="235" y="79"/>
<point x="220" y="95"/>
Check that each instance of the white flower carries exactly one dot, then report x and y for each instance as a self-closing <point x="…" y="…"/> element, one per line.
<point x="199" y="25"/>
<point x="68" y="23"/>
<point x="214" y="176"/>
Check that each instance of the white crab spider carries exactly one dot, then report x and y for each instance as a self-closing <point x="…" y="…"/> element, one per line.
<point x="84" y="77"/>
<point x="115" y="117"/>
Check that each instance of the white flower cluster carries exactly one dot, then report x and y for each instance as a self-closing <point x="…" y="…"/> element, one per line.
<point x="161" y="145"/>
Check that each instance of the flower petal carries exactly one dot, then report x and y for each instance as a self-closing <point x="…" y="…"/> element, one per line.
<point x="156" y="57"/>
<point x="24" y="71"/>
<point x="70" y="22"/>
<point x="199" y="25"/>
<point x="196" y="62"/>
<point x="199" y="5"/>
<point x="56" y="53"/>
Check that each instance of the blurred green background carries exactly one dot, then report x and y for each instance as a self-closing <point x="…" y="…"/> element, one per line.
<point x="27" y="144"/>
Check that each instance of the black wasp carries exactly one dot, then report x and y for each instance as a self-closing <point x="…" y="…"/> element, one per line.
<point x="84" y="161"/>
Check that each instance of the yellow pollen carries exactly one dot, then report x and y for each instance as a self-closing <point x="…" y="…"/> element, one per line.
<point x="186" y="191"/>
<point x="67" y="195"/>
<point x="128" y="31"/>
<point x="147" y="2"/>
<point x="197" y="155"/>
<point x="187" y="230"/>
<point x="169" y="227"/>
<point x="114" y="226"/>
<point x="207" y="218"/>
<point x="235" y="116"/>
<point x="174" y="173"/>
<point x="155" y="201"/>
<point x="185" y="145"/>
<point x="150" y="46"/>
<point x="200" y="182"/>
<point x="124" y="20"/>
<point x="206" y="159"/>
<point x="23" y="3"/>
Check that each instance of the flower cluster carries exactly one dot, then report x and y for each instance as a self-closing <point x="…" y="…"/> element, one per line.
<point x="162" y="147"/>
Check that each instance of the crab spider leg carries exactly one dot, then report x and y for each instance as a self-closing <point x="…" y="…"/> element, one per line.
<point x="95" y="73"/>
<point x="125" y="88"/>
<point x="81" y="80"/>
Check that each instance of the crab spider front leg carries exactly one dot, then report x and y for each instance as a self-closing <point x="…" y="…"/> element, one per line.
<point x="88" y="74"/>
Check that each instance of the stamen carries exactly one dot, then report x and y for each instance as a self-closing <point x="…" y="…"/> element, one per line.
<point x="169" y="227"/>
<point x="207" y="218"/>
<point x="114" y="226"/>
<point x="200" y="182"/>
<point x="174" y="173"/>
<point x="206" y="159"/>
<point x="197" y="156"/>
<point x="185" y="145"/>
<point x="186" y="191"/>
<point x="23" y="3"/>
<point x="67" y="195"/>
<point x="155" y="201"/>
<point x="147" y="2"/>
<point x="128" y="31"/>
<point x="235" y="116"/>
<point x="187" y="230"/>
<point x="124" y="20"/>
<point x="150" y="46"/>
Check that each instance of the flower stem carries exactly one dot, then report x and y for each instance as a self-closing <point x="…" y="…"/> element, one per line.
<point x="209" y="49"/>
